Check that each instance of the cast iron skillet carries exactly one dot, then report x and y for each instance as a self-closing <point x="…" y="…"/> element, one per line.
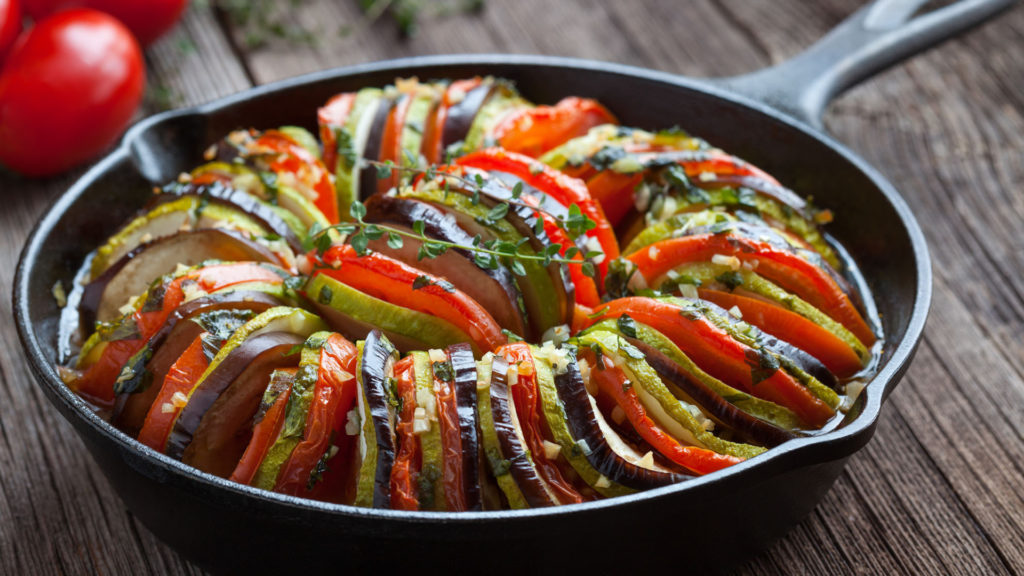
<point x="713" y="522"/>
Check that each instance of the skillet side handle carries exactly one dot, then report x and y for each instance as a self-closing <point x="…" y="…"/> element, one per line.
<point x="872" y="39"/>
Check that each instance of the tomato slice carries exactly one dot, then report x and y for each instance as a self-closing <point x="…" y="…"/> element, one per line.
<point x="720" y="355"/>
<point x="181" y="378"/>
<point x="527" y="400"/>
<point x="264" y="432"/>
<point x="393" y="281"/>
<point x="793" y="328"/>
<point x="333" y="398"/>
<point x="391" y="143"/>
<point x="451" y="442"/>
<point x="534" y="131"/>
<point x="614" y="191"/>
<point x="563" y="189"/>
<point x="405" y="471"/>
<point x="785" y="268"/>
<point x="697" y="162"/>
<point x="611" y="380"/>
<point x="330" y="118"/>
<point x="432" y="145"/>
<point x="293" y="158"/>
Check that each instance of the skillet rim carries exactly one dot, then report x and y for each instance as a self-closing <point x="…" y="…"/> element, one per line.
<point x="798" y="453"/>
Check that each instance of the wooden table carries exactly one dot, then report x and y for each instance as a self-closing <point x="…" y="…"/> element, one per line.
<point x="938" y="490"/>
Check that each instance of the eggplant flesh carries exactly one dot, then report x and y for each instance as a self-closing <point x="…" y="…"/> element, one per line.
<point x="239" y="200"/>
<point x="133" y="272"/>
<point x="267" y="350"/>
<point x="464" y="367"/>
<point x="513" y="449"/>
<point x="746" y="426"/>
<point x="495" y="289"/>
<point x="595" y="438"/>
<point x="377" y="369"/>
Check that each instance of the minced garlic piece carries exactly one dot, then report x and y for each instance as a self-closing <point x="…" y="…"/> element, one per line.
<point x="731" y="261"/>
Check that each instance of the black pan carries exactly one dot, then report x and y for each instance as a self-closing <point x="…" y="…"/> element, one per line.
<point x="714" y="522"/>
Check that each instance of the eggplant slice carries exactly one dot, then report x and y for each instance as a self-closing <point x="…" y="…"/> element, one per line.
<point x="133" y="272"/>
<point x="598" y="441"/>
<point x="464" y="369"/>
<point x="375" y="372"/>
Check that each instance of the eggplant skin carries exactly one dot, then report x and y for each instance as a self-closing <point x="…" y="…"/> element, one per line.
<point x="464" y="366"/>
<point x="239" y="200"/>
<point x="269" y="347"/>
<point x="377" y="368"/>
<point x="520" y="465"/>
<point x="584" y="426"/>
<point x="747" y="426"/>
<point x="460" y="116"/>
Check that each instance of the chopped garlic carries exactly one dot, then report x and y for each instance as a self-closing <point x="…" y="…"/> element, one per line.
<point x="420" y="422"/>
<point x="602" y="482"/>
<point x="437" y="355"/>
<point x="166" y="408"/>
<point x="853" y="391"/>
<point x="653" y="252"/>
<point x="352" y="423"/>
<point x="145" y="238"/>
<point x="706" y="176"/>
<point x="456" y="95"/>
<point x="179" y="400"/>
<point x="593" y="245"/>
<point x="722" y="260"/>
<point x="708" y="425"/>
<point x="618" y="415"/>
<point x="736" y="312"/>
<point x="180" y="269"/>
<point x="647" y="461"/>
<point x="425" y="401"/>
<point x="551" y="450"/>
<point x="688" y="291"/>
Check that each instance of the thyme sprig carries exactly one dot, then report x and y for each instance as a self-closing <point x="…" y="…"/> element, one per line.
<point x="487" y="254"/>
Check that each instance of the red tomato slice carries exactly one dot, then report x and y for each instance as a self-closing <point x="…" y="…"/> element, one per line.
<point x="293" y="158"/>
<point x="264" y="433"/>
<point x="391" y="143"/>
<point x="182" y="376"/>
<point x="720" y="355"/>
<point x="432" y="145"/>
<point x="612" y="381"/>
<point x="451" y="444"/>
<point x="332" y="117"/>
<point x="391" y="280"/>
<point x="10" y="25"/>
<point x="792" y="328"/>
<point x="614" y="191"/>
<point x="333" y="398"/>
<point x="534" y="131"/>
<point x="406" y="469"/>
<point x="786" y="269"/>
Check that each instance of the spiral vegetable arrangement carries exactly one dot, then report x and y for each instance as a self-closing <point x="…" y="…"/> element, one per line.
<point x="428" y="308"/>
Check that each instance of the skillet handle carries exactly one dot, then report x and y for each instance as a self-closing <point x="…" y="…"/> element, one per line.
<point x="871" y="40"/>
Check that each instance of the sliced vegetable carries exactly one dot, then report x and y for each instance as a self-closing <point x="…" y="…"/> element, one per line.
<point x="376" y="416"/>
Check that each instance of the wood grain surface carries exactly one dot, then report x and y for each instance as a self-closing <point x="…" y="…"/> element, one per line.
<point x="939" y="490"/>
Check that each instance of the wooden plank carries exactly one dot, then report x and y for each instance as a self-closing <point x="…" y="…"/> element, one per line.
<point x="59" y="514"/>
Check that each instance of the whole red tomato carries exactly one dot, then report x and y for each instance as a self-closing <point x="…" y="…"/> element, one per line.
<point x="147" y="19"/>
<point x="68" y="89"/>
<point x="10" y="25"/>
